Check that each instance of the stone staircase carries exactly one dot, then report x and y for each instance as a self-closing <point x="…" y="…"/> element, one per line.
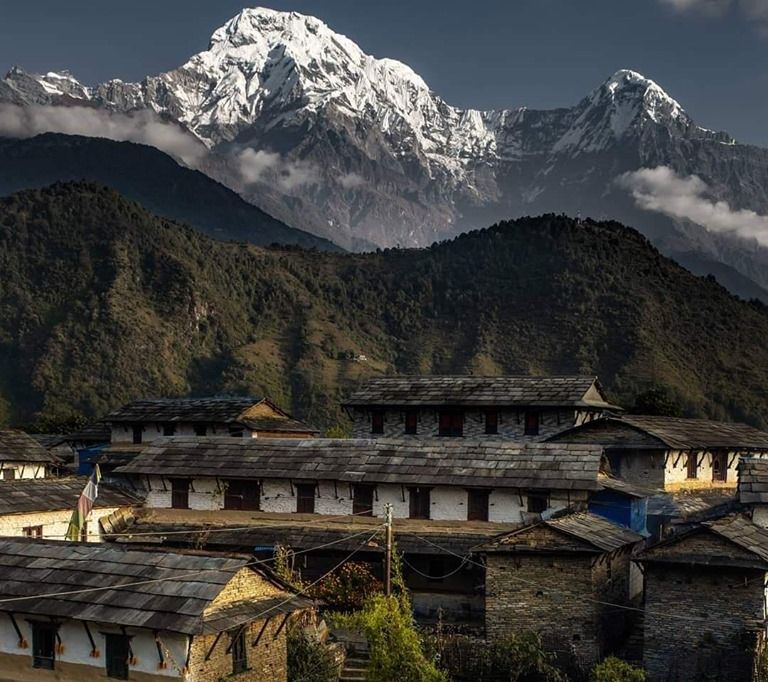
<point x="354" y="668"/>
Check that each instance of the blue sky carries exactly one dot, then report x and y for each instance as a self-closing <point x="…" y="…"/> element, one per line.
<point x="711" y="55"/>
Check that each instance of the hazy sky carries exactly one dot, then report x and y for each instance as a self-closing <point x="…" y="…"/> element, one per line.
<point x="711" y="55"/>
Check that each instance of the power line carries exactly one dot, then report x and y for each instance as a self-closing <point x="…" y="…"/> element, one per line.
<point x="255" y="562"/>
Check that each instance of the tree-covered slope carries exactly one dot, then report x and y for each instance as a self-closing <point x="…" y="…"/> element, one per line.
<point x="101" y="302"/>
<point x="150" y="177"/>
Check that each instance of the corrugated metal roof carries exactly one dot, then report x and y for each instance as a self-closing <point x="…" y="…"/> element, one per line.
<point x="479" y="391"/>
<point x="497" y="463"/>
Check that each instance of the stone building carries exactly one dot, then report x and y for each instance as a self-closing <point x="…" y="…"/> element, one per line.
<point x="670" y="453"/>
<point x="565" y="578"/>
<point x="138" y="614"/>
<point x="753" y="489"/>
<point x="41" y="508"/>
<point x="705" y="598"/>
<point x="137" y="424"/>
<point x="21" y="456"/>
<point x="502" y="481"/>
<point x="521" y="408"/>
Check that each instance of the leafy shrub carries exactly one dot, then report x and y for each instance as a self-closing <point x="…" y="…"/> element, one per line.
<point x="309" y="660"/>
<point x="613" y="669"/>
<point x="349" y="587"/>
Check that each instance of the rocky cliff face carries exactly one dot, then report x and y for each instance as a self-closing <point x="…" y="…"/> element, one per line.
<point x="357" y="149"/>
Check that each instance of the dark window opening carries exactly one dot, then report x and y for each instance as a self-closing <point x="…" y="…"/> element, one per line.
<point x="9" y="474"/>
<point x="491" y="422"/>
<point x="33" y="532"/>
<point x="377" y="421"/>
<point x="200" y="429"/>
<point x="537" y="502"/>
<point x="43" y="645"/>
<point x="180" y="493"/>
<point x="411" y="422"/>
<point x="305" y="498"/>
<point x="692" y="465"/>
<point x="477" y="505"/>
<point x="719" y="466"/>
<point x="138" y="432"/>
<point x="451" y="424"/>
<point x="362" y="500"/>
<point x="419" y="503"/>
<point x="118" y="653"/>
<point x="532" y="420"/>
<point x="169" y="429"/>
<point x="436" y="570"/>
<point x="236" y="431"/>
<point x="242" y="494"/>
<point x="239" y="652"/>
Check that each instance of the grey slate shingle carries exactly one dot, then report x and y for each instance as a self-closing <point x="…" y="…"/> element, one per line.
<point x="18" y="446"/>
<point x="477" y="391"/>
<point x="502" y="464"/>
<point x="53" y="494"/>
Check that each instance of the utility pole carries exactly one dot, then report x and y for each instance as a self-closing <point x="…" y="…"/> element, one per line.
<point x="388" y="554"/>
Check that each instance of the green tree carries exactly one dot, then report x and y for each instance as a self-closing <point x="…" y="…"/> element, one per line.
<point x="613" y="669"/>
<point x="657" y="400"/>
<point x="309" y="660"/>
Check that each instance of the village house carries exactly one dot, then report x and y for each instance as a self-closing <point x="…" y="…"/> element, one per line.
<point x="42" y="508"/>
<point x="670" y="453"/>
<point x="566" y="578"/>
<point x="138" y="615"/>
<point x="21" y="456"/>
<point x="522" y="408"/>
<point x="705" y="595"/>
<point x="311" y="492"/>
<point x="136" y="424"/>
<point x="501" y="481"/>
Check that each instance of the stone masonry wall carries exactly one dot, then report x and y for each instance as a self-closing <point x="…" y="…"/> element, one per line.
<point x="695" y="622"/>
<point x="532" y="593"/>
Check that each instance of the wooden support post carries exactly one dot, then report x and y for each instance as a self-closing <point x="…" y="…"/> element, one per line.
<point x="282" y="625"/>
<point x="388" y="550"/>
<point x="261" y="631"/>
<point x="213" y="646"/>
<point x="94" y="651"/>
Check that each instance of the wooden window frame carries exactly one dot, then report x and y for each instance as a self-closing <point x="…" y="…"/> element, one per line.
<point x="692" y="466"/>
<point x="35" y="532"/>
<point x="115" y="669"/>
<point x="302" y="499"/>
<point x="377" y="422"/>
<point x="419" y="503"/>
<point x="476" y="493"/>
<point x="9" y="473"/>
<point x="200" y="430"/>
<point x="169" y="429"/>
<point x="532" y="423"/>
<point x="362" y="508"/>
<point x="491" y="422"/>
<point x="177" y="494"/>
<point x="237" y="500"/>
<point x="45" y="660"/>
<point x="411" y="422"/>
<point x="239" y="652"/>
<point x="722" y="458"/>
<point x="534" y="499"/>
<point x="450" y="423"/>
<point x="137" y="432"/>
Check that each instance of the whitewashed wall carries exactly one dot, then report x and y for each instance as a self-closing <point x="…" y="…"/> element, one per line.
<point x="25" y="470"/>
<point x="77" y="647"/>
<point x="54" y="523"/>
<point x="448" y="503"/>
<point x="123" y="433"/>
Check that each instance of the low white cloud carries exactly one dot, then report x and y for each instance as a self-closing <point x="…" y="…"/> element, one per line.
<point x="143" y="127"/>
<point x="263" y="167"/>
<point x="753" y="10"/>
<point x="662" y="190"/>
<point x="351" y="180"/>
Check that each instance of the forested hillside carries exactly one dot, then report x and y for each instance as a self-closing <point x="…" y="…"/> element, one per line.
<point x="101" y="302"/>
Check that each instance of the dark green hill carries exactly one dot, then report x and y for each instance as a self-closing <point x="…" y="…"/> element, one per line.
<point x="102" y="302"/>
<point x="150" y="177"/>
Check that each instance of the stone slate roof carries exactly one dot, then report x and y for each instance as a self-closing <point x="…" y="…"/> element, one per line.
<point x="23" y="496"/>
<point x="190" y="581"/>
<point x="596" y="531"/>
<point x="477" y="391"/>
<point x="746" y="536"/>
<point x="251" y="530"/>
<point x="221" y="410"/>
<point x="93" y="433"/>
<point x="286" y="424"/>
<point x="675" y="432"/>
<point x="753" y="480"/>
<point x="17" y="446"/>
<point x="496" y="464"/>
